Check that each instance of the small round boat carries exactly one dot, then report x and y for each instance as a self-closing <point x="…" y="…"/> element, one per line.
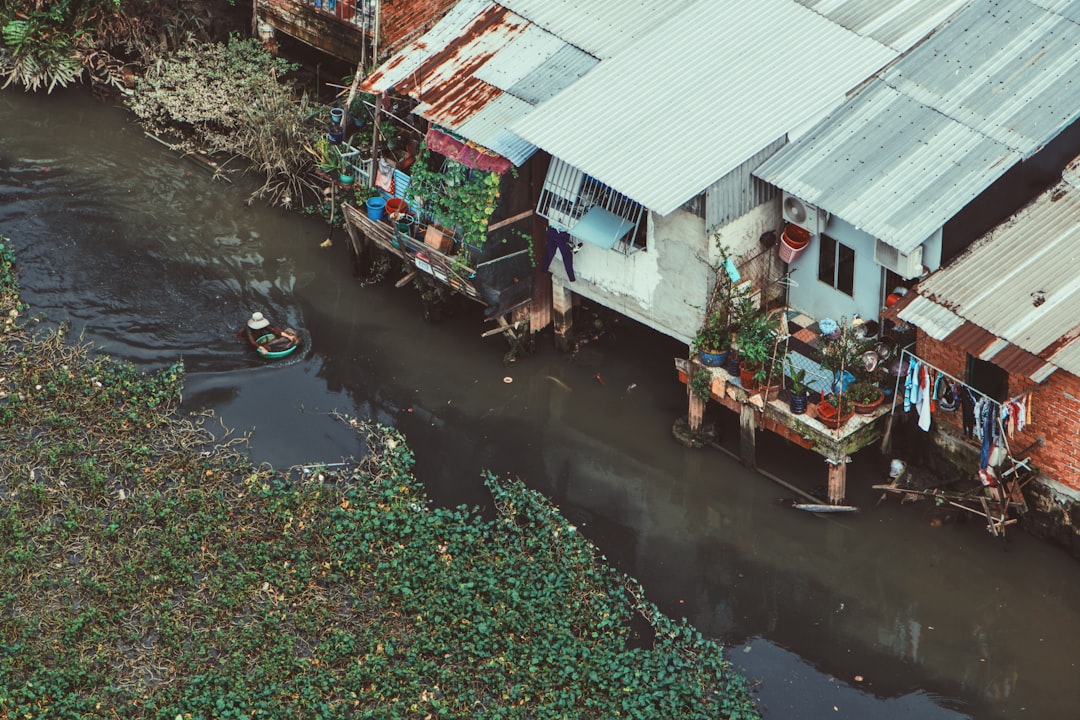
<point x="277" y="345"/>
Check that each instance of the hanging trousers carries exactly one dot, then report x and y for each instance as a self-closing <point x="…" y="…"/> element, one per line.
<point x="559" y="240"/>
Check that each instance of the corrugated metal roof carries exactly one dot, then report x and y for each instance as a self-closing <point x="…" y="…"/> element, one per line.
<point x="601" y="28"/>
<point x="1006" y="68"/>
<point x="1020" y="282"/>
<point x="992" y="87"/>
<point x="936" y="321"/>
<point x="554" y="74"/>
<point x="705" y="91"/>
<point x="889" y="165"/>
<point x="897" y="24"/>
<point x="465" y="71"/>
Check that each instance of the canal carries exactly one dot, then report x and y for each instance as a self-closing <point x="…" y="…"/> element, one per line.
<point x="896" y="612"/>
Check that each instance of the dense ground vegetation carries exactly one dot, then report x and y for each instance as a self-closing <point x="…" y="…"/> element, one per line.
<point x="45" y="44"/>
<point x="151" y="572"/>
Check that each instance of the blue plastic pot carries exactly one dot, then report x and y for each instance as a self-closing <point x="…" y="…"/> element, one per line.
<point x="375" y="208"/>
<point x="712" y="359"/>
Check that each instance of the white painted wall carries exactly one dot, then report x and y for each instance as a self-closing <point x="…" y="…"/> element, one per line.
<point x="666" y="285"/>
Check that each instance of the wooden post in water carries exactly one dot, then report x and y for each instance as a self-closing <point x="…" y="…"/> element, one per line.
<point x="562" y="303"/>
<point x="696" y="409"/>
<point x="747" y="431"/>
<point x="837" y="480"/>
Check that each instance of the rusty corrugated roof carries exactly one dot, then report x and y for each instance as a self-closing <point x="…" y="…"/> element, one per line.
<point x="463" y="72"/>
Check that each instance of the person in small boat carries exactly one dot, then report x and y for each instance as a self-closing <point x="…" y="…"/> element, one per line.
<point x="258" y="326"/>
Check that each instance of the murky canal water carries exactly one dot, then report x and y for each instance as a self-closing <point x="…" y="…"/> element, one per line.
<point x="882" y="614"/>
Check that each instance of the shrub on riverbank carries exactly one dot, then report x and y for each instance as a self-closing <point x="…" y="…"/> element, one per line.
<point x="151" y="572"/>
<point x="231" y="99"/>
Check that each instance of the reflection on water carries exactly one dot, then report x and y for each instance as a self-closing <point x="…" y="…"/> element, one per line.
<point x="151" y="259"/>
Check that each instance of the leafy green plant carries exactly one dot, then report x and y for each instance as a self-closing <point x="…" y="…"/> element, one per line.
<point x="701" y="382"/>
<point x="230" y="98"/>
<point x="39" y="53"/>
<point x="151" y="571"/>
<point x="455" y="196"/>
<point x="863" y="392"/>
<point x="756" y="333"/>
<point x="724" y="306"/>
<point x="797" y="379"/>
<point x="842" y="352"/>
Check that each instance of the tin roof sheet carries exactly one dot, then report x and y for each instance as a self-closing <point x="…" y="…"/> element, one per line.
<point x="898" y="24"/>
<point x="890" y="165"/>
<point x="936" y="321"/>
<point x="642" y="122"/>
<point x="1005" y="70"/>
<point x="1020" y="282"/>
<point x="480" y="69"/>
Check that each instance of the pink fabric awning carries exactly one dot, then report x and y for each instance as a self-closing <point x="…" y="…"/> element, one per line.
<point x="468" y="154"/>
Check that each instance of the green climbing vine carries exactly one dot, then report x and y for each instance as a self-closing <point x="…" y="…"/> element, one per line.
<point x="455" y="196"/>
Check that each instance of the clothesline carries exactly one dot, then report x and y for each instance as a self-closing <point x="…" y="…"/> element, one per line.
<point x="1013" y="399"/>
<point x="999" y="411"/>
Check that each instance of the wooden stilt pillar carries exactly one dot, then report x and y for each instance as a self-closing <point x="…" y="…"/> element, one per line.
<point x="837" y="480"/>
<point x="747" y="431"/>
<point x="696" y="410"/>
<point x="562" y="304"/>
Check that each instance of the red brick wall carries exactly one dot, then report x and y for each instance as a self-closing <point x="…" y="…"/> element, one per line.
<point x="1055" y="415"/>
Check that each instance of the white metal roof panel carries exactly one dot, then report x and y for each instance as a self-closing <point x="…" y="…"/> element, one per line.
<point x="553" y="75"/>
<point x="522" y="55"/>
<point x="647" y="124"/>
<point x="601" y="28"/>
<point x="899" y="23"/>
<point x="1006" y="68"/>
<point x="986" y="91"/>
<point x="1021" y="281"/>
<point x="889" y="165"/>
<point x="489" y="126"/>
<point x="938" y="322"/>
<point x="1066" y="8"/>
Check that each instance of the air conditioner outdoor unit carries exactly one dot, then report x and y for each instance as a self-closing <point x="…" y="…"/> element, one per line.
<point x="906" y="266"/>
<point x="803" y="214"/>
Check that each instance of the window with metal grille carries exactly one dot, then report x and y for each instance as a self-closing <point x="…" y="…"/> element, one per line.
<point x="590" y="210"/>
<point x="836" y="265"/>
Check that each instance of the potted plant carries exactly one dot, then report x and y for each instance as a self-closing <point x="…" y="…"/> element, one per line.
<point x="835" y="410"/>
<point x="797" y="390"/>
<point x="713" y="339"/>
<point x="756" y="338"/>
<point x="841" y="355"/>
<point x="865" y="396"/>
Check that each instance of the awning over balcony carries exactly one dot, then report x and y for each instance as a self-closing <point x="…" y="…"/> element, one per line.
<point x="465" y="152"/>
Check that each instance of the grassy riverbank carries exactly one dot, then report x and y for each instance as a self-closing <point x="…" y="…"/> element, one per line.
<point x="149" y="572"/>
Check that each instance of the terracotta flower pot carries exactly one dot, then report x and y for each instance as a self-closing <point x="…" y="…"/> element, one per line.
<point x="746" y="376"/>
<point x="867" y="408"/>
<point x="830" y="416"/>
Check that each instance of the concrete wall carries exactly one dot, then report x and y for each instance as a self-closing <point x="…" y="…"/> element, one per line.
<point x="666" y="285"/>
<point x="819" y="300"/>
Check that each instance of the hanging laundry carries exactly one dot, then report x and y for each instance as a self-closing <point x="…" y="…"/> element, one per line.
<point x="924" y="400"/>
<point x="911" y="385"/>
<point x="1021" y="413"/>
<point x="967" y="402"/>
<point x="987" y="433"/>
